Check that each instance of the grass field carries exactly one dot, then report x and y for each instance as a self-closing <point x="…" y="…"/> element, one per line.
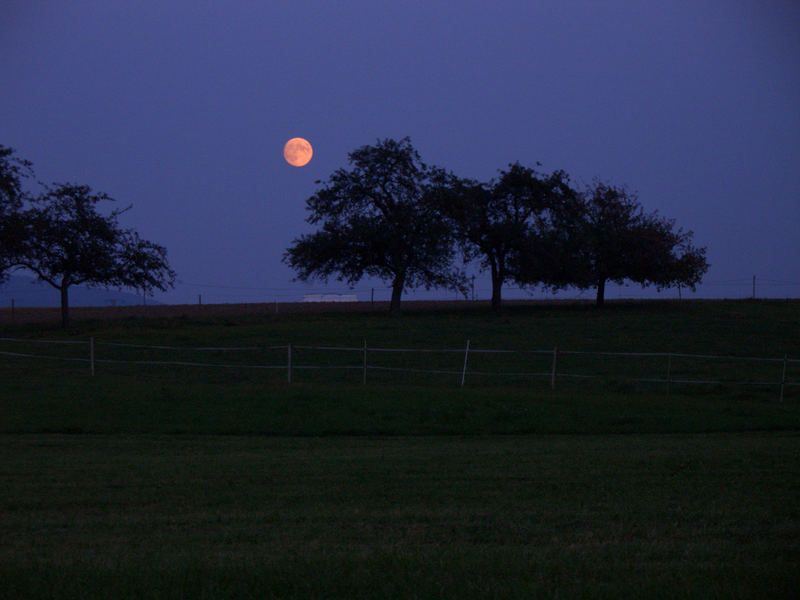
<point x="155" y="482"/>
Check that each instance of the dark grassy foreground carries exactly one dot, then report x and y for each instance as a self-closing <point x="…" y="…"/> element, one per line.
<point x="653" y="516"/>
<point x="154" y="482"/>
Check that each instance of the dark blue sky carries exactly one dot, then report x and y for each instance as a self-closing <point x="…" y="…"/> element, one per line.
<point x="182" y="109"/>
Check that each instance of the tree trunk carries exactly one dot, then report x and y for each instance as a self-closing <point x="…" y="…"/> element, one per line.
<point x="64" y="304"/>
<point x="397" y="292"/>
<point x="601" y="292"/>
<point x="497" y="285"/>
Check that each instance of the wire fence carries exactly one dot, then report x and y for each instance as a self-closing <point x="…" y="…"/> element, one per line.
<point x="450" y="366"/>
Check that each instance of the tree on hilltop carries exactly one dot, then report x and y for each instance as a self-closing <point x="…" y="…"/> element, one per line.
<point x="610" y="238"/>
<point x="66" y="242"/>
<point x="381" y="218"/>
<point x="506" y="223"/>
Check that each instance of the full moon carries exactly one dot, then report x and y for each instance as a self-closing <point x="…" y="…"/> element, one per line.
<point x="297" y="152"/>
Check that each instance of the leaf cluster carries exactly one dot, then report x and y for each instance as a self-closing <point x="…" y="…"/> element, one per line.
<point x="504" y="223"/>
<point x="611" y="238"/>
<point x="68" y="242"/>
<point x="13" y="170"/>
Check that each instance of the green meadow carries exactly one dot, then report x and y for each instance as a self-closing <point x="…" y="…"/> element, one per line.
<point x="149" y="480"/>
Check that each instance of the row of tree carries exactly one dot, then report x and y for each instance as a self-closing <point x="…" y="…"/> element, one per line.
<point x="389" y="216"/>
<point x="393" y="217"/>
<point x="59" y="235"/>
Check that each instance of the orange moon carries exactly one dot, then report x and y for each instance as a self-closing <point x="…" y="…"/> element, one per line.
<point x="298" y="152"/>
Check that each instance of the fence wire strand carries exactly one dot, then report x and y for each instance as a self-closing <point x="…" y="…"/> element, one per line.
<point x="404" y="369"/>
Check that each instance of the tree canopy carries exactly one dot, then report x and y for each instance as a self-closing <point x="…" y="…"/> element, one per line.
<point x="381" y="218"/>
<point x="12" y="196"/>
<point x="610" y="238"/>
<point x="66" y="242"/>
<point x="503" y="223"/>
<point x="61" y="237"/>
<point x="393" y="217"/>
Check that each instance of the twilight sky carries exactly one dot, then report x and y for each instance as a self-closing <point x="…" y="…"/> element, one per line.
<point x="182" y="109"/>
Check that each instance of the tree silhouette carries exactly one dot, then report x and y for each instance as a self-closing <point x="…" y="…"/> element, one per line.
<point x="12" y="197"/>
<point x="67" y="242"/>
<point x="610" y="238"/>
<point x="504" y="223"/>
<point x="381" y="218"/>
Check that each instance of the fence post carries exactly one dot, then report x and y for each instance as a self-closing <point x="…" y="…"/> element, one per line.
<point x="364" y="378"/>
<point x="464" y="370"/>
<point x="669" y="372"/>
<point x="553" y="373"/>
<point x="289" y="364"/>
<point x="783" y="377"/>
<point x="91" y="355"/>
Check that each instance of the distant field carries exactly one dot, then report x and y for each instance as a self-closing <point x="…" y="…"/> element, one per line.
<point x="154" y="481"/>
<point x="22" y="315"/>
